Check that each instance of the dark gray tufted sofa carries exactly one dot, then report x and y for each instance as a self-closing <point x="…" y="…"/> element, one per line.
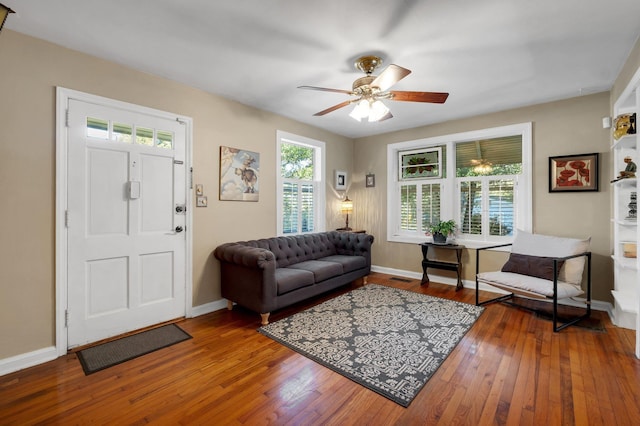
<point x="269" y="274"/>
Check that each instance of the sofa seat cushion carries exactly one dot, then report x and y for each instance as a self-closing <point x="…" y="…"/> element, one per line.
<point x="526" y="284"/>
<point x="349" y="263"/>
<point x="321" y="270"/>
<point x="288" y="279"/>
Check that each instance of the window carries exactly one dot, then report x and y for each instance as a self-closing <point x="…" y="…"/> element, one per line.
<point x="484" y="185"/>
<point x="301" y="188"/>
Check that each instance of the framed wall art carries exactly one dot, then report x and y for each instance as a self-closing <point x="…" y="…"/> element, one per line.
<point x="341" y="180"/>
<point x="573" y="173"/>
<point x="420" y="164"/>
<point x="239" y="174"/>
<point x="370" y="180"/>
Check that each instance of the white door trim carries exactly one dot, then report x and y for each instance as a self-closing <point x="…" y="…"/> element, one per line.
<point x="62" y="100"/>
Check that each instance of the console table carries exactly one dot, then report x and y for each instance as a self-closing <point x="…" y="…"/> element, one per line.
<point x="439" y="264"/>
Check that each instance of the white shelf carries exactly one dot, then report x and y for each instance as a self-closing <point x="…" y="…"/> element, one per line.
<point x="627" y="301"/>
<point x="626" y="262"/>
<point x="627" y="141"/>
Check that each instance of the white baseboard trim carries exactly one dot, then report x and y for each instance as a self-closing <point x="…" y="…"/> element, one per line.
<point x="207" y="308"/>
<point x="26" y="360"/>
<point x="597" y="305"/>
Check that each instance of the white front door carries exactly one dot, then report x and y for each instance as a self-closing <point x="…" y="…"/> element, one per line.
<point x="125" y="221"/>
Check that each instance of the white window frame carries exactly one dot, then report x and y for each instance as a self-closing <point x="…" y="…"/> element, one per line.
<point x="319" y="180"/>
<point x="449" y="200"/>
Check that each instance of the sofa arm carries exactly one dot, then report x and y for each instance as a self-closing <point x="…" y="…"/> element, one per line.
<point x="239" y="254"/>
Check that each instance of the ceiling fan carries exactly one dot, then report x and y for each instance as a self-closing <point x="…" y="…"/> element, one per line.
<point x="370" y="90"/>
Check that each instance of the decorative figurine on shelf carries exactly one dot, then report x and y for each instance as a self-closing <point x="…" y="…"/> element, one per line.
<point x="633" y="205"/>
<point x="629" y="171"/>
<point x="624" y="124"/>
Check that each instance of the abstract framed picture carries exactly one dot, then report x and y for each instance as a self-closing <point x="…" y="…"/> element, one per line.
<point x="574" y="173"/>
<point x="239" y="174"/>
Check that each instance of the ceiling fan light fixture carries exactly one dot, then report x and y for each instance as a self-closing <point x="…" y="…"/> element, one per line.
<point x="361" y="110"/>
<point x="377" y="111"/>
<point x="482" y="167"/>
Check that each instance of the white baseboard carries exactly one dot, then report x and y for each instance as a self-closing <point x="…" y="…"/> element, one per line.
<point x="207" y="308"/>
<point x="26" y="360"/>
<point x="597" y="305"/>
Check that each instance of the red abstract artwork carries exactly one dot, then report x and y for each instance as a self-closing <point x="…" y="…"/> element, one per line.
<point x="573" y="173"/>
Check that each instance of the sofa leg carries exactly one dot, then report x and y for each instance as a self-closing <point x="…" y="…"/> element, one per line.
<point x="229" y="305"/>
<point x="265" y="318"/>
<point x="364" y="279"/>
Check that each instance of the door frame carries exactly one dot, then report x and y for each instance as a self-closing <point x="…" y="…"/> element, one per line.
<point x="63" y="95"/>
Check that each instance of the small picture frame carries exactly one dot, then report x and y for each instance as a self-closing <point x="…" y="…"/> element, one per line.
<point x="370" y="180"/>
<point x="573" y="173"/>
<point x="341" y="180"/>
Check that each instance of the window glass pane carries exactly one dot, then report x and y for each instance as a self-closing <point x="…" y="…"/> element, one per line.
<point x="471" y="207"/>
<point x="122" y="132"/>
<point x="164" y="139"/>
<point x="97" y="128"/>
<point x="493" y="157"/>
<point x="144" y="136"/>
<point x="296" y="161"/>
<point x="430" y="204"/>
<point x="501" y="211"/>
<point x="290" y="208"/>
<point x="408" y="208"/>
<point x="307" y="208"/>
<point x="420" y="164"/>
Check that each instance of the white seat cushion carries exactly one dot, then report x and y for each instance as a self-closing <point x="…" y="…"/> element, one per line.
<point x="549" y="246"/>
<point x="527" y="284"/>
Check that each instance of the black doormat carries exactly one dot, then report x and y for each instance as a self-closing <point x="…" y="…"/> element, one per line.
<point x="544" y="310"/>
<point x="112" y="353"/>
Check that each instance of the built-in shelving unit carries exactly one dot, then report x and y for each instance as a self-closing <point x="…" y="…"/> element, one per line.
<point x="626" y="233"/>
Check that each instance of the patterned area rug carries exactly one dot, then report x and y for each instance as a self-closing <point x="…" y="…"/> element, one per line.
<point x="386" y="339"/>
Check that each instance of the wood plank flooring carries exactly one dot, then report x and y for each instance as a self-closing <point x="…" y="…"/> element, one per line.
<point x="509" y="369"/>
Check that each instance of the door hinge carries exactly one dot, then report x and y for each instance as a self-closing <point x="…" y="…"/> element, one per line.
<point x="66" y="218"/>
<point x="66" y="318"/>
<point x="66" y="118"/>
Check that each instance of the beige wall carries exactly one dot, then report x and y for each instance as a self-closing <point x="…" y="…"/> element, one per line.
<point x="571" y="126"/>
<point x="30" y="70"/>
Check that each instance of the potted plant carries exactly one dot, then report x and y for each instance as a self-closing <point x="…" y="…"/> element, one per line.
<point x="441" y="230"/>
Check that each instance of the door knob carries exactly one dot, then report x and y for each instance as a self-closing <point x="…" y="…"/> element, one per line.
<point x="179" y="229"/>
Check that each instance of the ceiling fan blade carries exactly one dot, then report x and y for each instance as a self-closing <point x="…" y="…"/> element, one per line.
<point x="333" y="108"/>
<point x="432" y="97"/>
<point x="390" y="76"/>
<point x="324" y="89"/>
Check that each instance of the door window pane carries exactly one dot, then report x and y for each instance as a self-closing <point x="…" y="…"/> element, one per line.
<point x="122" y="133"/>
<point x="97" y="128"/>
<point x="144" y="136"/>
<point x="164" y="139"/>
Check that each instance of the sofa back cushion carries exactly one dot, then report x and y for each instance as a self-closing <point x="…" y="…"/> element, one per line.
<point x="295" y="249"/>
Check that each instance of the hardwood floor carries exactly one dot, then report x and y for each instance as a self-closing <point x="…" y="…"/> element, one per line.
<point x="510" y="368"/>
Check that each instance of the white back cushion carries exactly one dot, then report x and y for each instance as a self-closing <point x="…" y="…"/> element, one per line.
<point x="549" y="246"/>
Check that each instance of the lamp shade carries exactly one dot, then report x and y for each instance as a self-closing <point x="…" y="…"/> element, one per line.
<point x="4" y="12"/>
<point x="347" y="206"/>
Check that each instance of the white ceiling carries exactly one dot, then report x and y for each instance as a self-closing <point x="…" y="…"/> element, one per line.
<point x="490" y="55"/>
